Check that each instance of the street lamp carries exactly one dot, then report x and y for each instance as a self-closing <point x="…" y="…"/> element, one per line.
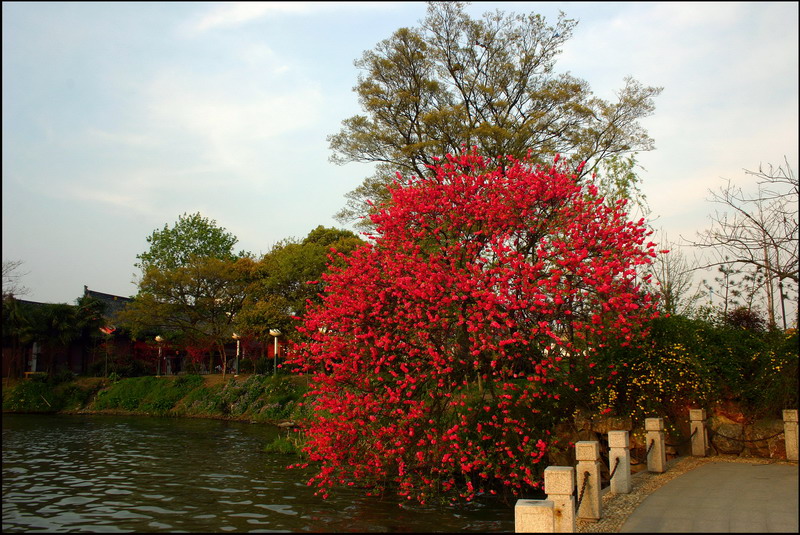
<point x="276" y="333"/>
<point x="158" y="366"/>
<point x="236" y="365"/>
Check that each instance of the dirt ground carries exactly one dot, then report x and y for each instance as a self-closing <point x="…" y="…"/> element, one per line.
<point x="214" y="379"/>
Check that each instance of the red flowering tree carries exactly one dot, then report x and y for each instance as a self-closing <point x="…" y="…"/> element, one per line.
<point x="147" y="353"/>
<point x="197" y="351"/>
<point x="439" y="347"/>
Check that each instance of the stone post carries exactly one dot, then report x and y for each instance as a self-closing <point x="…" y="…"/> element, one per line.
<point x="790" y="434"/>
<point x="619" y="456"/>
<point x="533" y="516"/>
<point x="559" y="484"/>
<point x="587" y="453"/>
<point x="697" y="419"/>
<point x="657" y="456"/>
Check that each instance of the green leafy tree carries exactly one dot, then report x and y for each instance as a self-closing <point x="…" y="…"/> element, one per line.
<point x="287" y="278"/>
<point x="89" y="317"/>
<point x="13" y="360"/>
<point x="490" y="83"/>
<point x="192" y="285"/>
<point x="617" y="179"/>
<point x="191" y="236"/>
<point x="194" y="304"/>
<point x="54" y="326"/>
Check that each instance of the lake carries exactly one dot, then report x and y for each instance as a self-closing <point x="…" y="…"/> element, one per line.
<point x="65" y="473"/>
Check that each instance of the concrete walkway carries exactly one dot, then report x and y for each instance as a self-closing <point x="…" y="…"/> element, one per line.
<point x="722" y="498"/>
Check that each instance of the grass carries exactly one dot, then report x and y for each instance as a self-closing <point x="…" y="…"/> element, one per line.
<point x="255" y="398"/>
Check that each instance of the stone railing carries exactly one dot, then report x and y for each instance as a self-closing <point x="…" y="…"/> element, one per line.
<point x="575" y="493"/>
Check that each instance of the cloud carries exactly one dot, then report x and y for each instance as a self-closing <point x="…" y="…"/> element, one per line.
<point x="238" y="13"/>
<point x="176" y="131"/>
<point x="234" y="14"/>
<point x="717" y="66"/>
<point x="227" y="117"/>
<point x="190" y="127"/>
<point x="194" y="138"/>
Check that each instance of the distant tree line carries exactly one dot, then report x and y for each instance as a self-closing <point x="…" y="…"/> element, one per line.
<point x="196" y="293"/>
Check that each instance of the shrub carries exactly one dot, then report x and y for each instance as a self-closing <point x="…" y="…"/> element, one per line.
<point x="263" y="366"/>
<point x="32" y="395"/>
<point x="690" y="361"/>
<point x="246" y="366"/>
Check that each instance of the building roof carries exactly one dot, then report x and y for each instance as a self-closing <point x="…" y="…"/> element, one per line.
<point x="114" y="303"/>
<point x="25" y="302"/>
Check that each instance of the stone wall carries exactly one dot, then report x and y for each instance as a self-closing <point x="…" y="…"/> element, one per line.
<point x="729" y="432"/>
<point x="761" y="438"/>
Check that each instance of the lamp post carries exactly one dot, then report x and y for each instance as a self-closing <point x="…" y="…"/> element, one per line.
<point x="236" y="363"/>
<point x="158" y="366"/>
<point x="276" y="333"/>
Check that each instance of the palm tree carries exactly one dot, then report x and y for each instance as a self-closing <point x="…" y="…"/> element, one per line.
<point x="53" y="326"/>
<point x="12" y="323"/>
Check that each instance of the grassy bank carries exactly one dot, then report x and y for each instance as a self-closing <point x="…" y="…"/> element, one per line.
<point x="253" y="398"/>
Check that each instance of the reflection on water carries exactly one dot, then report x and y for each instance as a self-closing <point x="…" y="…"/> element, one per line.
<point x="129" y="474"/>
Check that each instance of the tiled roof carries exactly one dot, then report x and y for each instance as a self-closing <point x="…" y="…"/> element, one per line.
<point x="27" y="303"/>
<point x="114" y="303"/>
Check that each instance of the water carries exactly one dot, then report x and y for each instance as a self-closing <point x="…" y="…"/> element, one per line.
<point x="140" y="474"/>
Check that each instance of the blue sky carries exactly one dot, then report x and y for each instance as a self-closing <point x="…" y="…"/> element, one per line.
<point x="119" y="117"/>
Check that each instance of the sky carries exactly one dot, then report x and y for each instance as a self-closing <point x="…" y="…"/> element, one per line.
<point x="120" y="117"/>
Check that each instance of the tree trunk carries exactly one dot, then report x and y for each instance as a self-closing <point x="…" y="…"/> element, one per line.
<point x="770" y="289"/>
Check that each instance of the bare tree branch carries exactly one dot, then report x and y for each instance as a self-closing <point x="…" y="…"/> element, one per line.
<point x="759" y="230"/>
<point x="12" y="286"/>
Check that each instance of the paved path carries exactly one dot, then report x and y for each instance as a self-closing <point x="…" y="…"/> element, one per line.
<point x="722" y="498"/>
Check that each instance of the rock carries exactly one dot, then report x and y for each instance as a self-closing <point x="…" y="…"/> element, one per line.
<point x="593" y="423"/>
<point x="765" y="439"/>
<point x="729" y="412"/>
<point x="287" y="424"/>
<point x="604" y="424"/>
<point x="727" y="438"/>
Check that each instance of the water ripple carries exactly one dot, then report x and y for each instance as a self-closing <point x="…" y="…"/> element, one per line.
<point x="135" y="474"/>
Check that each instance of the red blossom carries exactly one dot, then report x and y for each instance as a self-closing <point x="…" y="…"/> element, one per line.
<point x="434" y="343"/>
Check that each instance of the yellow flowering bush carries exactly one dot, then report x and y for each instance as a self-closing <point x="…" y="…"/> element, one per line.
<point x="687" y="363"/>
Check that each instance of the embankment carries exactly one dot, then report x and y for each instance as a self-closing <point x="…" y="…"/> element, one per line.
<point x="252" y="398"/>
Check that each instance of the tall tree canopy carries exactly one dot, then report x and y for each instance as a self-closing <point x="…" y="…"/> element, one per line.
<point x="192" y="285"/>
<point x="439" y="346"/>
<point x="456" y="81"/>
<point x="192" y="235"/>
<point x="288" y="277"/>
<point x="193" y="305"/>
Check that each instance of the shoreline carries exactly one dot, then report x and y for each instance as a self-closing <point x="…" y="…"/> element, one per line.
<point x="212" y="397"/>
